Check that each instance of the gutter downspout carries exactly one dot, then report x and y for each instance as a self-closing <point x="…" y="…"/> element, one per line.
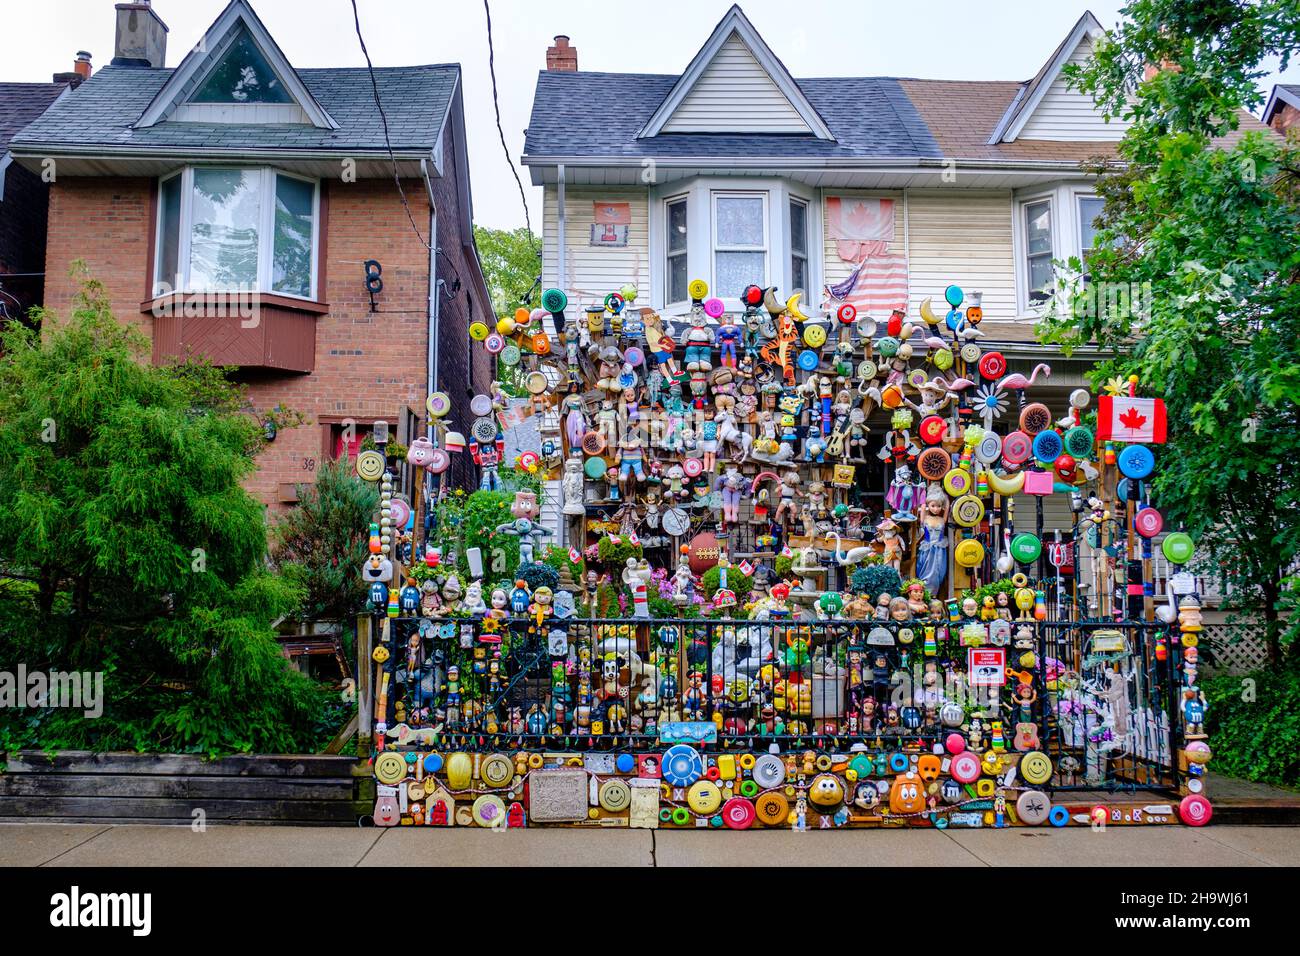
<point x="561" y="220"/>
<point x="434" y="292"/>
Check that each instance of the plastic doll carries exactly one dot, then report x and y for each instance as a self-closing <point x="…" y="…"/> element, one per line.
<point x="932" y="551"/>
<point x="788" y="507"/>
<point x="630" y="461"/>
<point x="904" y="496"/>
<point x="728" y="335"/>
<point x="699" y="343"/>
<point x="916" y="599"/>
<point x="731" y="483"/>
<point x="887" y="534"/>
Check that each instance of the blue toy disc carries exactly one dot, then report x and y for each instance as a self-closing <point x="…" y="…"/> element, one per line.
<point x="953" y="295"/>
<point x="808" y="360"/>
<point x="1136" y="461"/>
<point x="1047" y="446"/>
<point x="682" y="765"/>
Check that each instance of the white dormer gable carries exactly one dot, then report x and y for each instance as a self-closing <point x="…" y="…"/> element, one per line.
<point x="236" y="74"/>
<point x="736" y="84"/>
<point x="1048" y="108"/>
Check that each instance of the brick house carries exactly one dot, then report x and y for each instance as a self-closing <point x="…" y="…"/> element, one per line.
<point x="24" y="195"/>
<point x="230" y="206"/>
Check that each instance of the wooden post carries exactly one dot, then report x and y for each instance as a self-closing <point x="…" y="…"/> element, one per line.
<point x="365" y="689"/>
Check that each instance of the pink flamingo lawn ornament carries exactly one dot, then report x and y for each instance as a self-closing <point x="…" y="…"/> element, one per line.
<point x="1015" y="382"/>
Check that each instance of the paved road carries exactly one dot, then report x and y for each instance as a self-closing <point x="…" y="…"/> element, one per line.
<point x="85" y="845"/>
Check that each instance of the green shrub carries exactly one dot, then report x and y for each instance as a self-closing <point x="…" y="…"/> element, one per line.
<point x="737" y="581"/>
<point x="538" y="575"/>
<point x="1259" y="738"/>
<point x="614" y="556"/>
<point x="875" y="580"/>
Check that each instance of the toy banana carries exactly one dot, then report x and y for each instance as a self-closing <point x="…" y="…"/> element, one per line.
<point x="1006" y="486"/>
<point x="927" y="312"/>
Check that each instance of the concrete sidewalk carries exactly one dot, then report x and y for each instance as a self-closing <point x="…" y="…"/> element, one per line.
<point x="91" y="845"/>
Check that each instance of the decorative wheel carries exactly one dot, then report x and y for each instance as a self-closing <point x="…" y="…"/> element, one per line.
<point x="1035" y="418"/>
<point x="682" y="765"/>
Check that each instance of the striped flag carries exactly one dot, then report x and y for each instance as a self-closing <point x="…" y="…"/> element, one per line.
<point x="574" y="556"/>
<point x="746" y="568"/>
<point x="877" y="286"/>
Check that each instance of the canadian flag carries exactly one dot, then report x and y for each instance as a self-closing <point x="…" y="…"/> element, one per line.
<point x="574" y="555"/>
<point x="1131" y="419"/>
<point x="632" y="538"/>
<point x="745" y="568"/>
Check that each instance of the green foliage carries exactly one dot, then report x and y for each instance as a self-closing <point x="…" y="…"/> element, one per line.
<point x="992" y="589"/>
<point x="121" y="503"/>
<point x="614" y="556"/>
<point x="783" y="565"/>
<point x="558" y="558"/>
<point x="484" y="512"/>
<point x="1194" y="275"/>
<point x="1257" y="738"/>
<point x="537" y="575"/>
<point x="875" y="580"/>
<point x="325" y="539"/>
<point x="737" y="581"/>
<point x="510" y="265"/>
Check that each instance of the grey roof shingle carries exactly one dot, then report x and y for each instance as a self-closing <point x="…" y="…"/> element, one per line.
<point x="601" y="114"/>
<point x="20" y="103"/>
<point x="103" y="109"/>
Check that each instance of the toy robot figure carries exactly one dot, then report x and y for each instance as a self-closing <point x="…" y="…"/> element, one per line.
<point x="528" y="534"/>
<point x="487" y="455"/>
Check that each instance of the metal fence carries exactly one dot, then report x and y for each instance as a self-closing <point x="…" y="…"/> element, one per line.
<point x="1100" y="699"/>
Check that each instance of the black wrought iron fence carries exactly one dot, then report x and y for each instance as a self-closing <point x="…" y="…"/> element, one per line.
<point x="1100" y="699"/>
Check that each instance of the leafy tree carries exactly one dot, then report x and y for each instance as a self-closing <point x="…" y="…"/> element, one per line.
<point x="510" y="265"/>
<point x="324" y="541"/>
<point x="1193" y="277"/>
<point x="139" y="553"/>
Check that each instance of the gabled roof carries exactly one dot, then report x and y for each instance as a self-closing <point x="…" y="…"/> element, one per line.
<point x="20" y="103"/>
<point x="735" y="24"/>
<point x="101" y="115"/>
<point x="211" y="47"/>
<point x="1032" y="92"/>
<point x="602" y="114"/>
<point x="1283" y="95"/>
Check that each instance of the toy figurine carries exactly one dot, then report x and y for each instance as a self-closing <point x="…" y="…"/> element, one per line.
<point x="472" y="602"/>
<point x="887" y="534"/>
<point x="932" y="551"/>
<point x="731" y="483"/>
<point x="573" y="487"/>
<point x="528" y="533"/>
<point x="520" y="598"/>
<point x="630" y="460"/>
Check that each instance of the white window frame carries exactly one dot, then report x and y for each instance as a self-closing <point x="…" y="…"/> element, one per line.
<point x="715" y="248"/>
<point x="700" y="230"/>
<point x="266" y="233"/>
<point x="665" y="207"/>
<point x="791" y="200"/>
<point x="1080" y="221"/>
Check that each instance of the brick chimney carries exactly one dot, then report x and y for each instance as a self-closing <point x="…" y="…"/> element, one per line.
<point x="141" y="36"/>
<point x="80" y="72"/>
<point x="562" y="57"/>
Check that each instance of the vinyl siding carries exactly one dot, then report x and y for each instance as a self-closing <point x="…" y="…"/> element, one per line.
<point x="735" y="94"/>
<point x="1068" y="115"/>
<point x="594" y="272"/>
<point x="961" y="237"/>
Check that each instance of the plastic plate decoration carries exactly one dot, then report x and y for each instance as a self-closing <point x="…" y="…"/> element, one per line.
<point x="1136" y="461"/>
<point x="438" y="404"/>
<point x="682" y="765"/>
<point x="400" y="512"/>
<point x="1016" y="448"/>
<point x="965" y="767"/>
<point x="484" y="430"/>
<point x="1148" y="522"/>
<point x="957" y="482"/>
<point x="714" y="308"/>
<point x="989" y="448"/>
<point x="595" y="468"/>
<point x="808" y="360"/>
<point x="992" y="365"/>
<point x="1035" y="768"/>
<point x="933" y="463"/>
<point x="510" y="355"/>
<point x="370" y="465"/>
<point x="693" y="467"/>
<point x="1079" y="441"/>
<point x="888" y="346"/>
<point x="932" y="429"/>
<point x="593" y="443"/>
<point x="480" y="405"/>
<point x="1035" y="418"/>
<point x="494" y="343"/>
<point x="847" y="313"/>
<point x="967" y="511"/>
<point x="738" y="814"/>
<point x="1048" y="446"/>
<point x="1026" y="548"/>
<point x="969" y="553"/>
<point x="633" y="356"/>
<point x="554" y="301"/>
<point x="1178" y="547"/>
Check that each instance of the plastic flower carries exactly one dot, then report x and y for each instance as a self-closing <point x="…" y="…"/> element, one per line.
<point x="989" y="403"/>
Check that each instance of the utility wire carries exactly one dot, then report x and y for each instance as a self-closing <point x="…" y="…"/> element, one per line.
<point x="496" y="105"/>
<point x="383" y="118"/>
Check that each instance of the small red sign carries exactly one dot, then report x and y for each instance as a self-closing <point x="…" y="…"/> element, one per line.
<point x="986" y="666"/>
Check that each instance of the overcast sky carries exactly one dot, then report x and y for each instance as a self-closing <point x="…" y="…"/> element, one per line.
<point x="940" y="39"/>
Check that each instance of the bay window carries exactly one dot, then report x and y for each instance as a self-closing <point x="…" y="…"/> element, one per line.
<point x="739" y="241"/>
<point x="1038" y="250"/>
<point x="676" y="245"/>
<point x="223" y="229"/>
<point x="798" y="245"/>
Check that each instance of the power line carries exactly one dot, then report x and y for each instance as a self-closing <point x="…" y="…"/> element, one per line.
<point x="383" y="118"/>
<point x="496" y="105"/>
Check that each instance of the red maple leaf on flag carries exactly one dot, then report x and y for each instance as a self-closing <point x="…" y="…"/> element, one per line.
<point x="1132" y="420"/>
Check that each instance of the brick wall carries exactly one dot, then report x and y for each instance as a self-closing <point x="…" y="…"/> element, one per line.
<point x="22" y="237"/>
<point x="368" y="365"/>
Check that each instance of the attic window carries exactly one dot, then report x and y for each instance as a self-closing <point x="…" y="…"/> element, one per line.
<point x="242" y="75"/>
